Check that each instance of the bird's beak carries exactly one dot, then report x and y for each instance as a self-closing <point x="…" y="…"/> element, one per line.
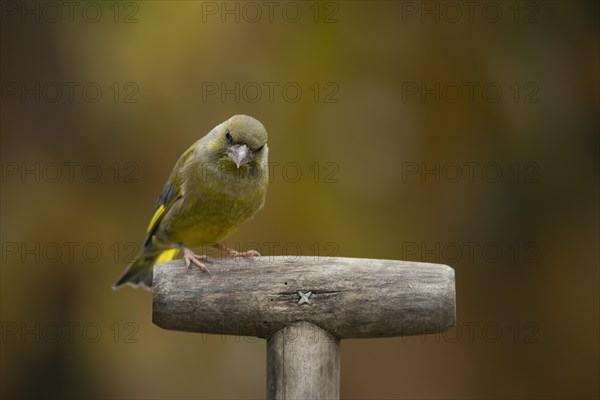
<point x="239" y="154"/>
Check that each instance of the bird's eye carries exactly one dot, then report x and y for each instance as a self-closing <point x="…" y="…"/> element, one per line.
<point x="260" y="148"/>
<point x="228" y="135"/>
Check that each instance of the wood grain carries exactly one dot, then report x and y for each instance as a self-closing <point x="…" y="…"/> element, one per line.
<point x="351" y="297"/>
<point x="303" y="362"/>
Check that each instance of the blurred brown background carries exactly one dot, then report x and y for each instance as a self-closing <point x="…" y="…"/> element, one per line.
<point x="464" y="134"/>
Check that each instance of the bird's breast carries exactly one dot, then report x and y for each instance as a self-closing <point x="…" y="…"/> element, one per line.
<point x="213" y="206"/>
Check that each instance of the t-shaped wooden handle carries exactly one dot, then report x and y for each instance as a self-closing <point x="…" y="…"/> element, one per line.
<point x="303" y="306"/>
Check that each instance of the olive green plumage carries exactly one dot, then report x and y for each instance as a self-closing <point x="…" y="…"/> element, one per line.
<point x="216" y="185"/>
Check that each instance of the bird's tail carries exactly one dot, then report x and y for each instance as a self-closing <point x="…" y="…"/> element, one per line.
<point x="139" y="272"/>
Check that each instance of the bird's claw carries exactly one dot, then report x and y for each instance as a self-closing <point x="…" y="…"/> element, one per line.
<point x="237" y="254"/>
<point x="249" y="253"/>
<point x="192" y="258"/>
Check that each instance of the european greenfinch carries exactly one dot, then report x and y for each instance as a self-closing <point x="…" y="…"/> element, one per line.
<point x="216" y="185"/>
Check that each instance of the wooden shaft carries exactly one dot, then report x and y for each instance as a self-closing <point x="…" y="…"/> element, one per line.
<point x="349" y="297"/>
<point x="303" y="362"/>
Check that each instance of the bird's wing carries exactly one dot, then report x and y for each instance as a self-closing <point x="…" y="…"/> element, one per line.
<point x="172" y="192"/>
<point x="169" y="195"/>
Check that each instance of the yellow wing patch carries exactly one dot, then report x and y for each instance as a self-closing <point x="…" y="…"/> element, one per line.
<point x="156" y="217"/>
<point x="166" y="256"/>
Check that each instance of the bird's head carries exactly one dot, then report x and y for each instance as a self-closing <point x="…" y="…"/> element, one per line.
<point x="241" y="139"/>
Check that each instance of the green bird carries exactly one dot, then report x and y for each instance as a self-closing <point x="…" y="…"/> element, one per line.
<point x="216" y="185"/>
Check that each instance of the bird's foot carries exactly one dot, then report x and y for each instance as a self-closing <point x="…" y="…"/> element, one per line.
<point x="249" y="253"/>
<point x="235" y="254"/>
<point x="192" y="258"/>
